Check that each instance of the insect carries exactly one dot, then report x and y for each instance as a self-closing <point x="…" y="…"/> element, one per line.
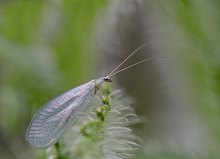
<point x="51" y="122"/>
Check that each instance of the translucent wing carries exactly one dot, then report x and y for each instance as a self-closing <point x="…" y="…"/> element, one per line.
<point x="54" y="118"/>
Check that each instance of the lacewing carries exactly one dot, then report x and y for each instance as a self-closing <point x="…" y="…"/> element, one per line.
<point x="51" y="122"/>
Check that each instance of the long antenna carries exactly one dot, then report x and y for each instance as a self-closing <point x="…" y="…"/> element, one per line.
<point x="135" y="51"/>
<point x="137" y="63"/>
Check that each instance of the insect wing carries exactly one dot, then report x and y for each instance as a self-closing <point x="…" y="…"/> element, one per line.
<point x="54" y="118"/>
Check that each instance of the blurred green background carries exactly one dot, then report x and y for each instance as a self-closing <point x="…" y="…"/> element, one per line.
<point x="47" y="47"/>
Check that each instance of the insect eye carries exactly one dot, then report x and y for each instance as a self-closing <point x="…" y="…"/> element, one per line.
<point x="107" y="79"/>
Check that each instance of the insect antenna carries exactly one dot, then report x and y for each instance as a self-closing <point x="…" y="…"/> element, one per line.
<point x="137" y="63"/>
<point x="135" y="51"/>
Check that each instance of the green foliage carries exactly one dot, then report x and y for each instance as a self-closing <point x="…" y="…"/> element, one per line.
<point x="194" y="44"/>
<point x="105" y="135"/>
<point x="43" y="51"/>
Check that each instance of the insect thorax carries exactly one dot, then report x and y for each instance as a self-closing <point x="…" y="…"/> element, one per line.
<point x="98" y="83"/>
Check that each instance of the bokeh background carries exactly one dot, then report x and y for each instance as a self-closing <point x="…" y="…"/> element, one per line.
<point x="50" y="46"/>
